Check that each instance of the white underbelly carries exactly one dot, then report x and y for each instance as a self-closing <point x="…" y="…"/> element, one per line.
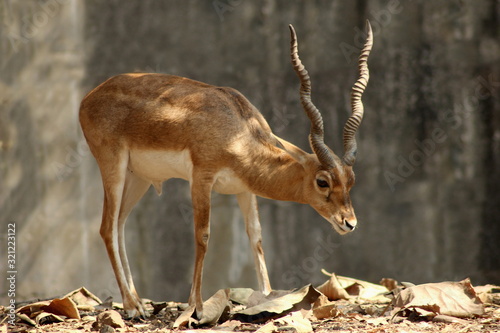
<point x="158" y="166"/>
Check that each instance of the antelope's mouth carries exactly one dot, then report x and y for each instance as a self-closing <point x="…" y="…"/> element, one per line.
<point x="342" y="226"/>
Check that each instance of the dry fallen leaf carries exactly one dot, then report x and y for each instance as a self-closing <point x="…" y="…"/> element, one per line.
<point x="48" y="311"/>
<point x="258" y="297"/>
<point x="296" y="321"/>
<point x="324" y="308"/>
<point x="389" y="283"/>
<point x="33" y="309"/>
<point x="456" y="299"/>
<point x="213" y="309"/>
<point x="449" y="319"/>
<point x="300" y="299"/>
<point x="240" y="295"/>
<point x="267" y="328"/>
<point x="63" y="307"/>
<point x="83" y="298"/>
<point x="25" y="318"/>
<point x="488" y="293"/>
<point x="47" y="318"/>
<point x="489" y="288"/>
<point x="354" y="287"/>
<point x="186" y="317"/>
<point x="327" y="311"/>
<point x="376" y="321"/>
<point x="332" y="289"/>
<point x="229" y="325"/>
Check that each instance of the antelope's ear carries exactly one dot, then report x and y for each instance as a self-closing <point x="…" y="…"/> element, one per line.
<point x="297" y="154"/>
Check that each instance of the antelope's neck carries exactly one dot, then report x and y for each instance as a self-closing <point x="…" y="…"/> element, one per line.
<point x="274" y="175"/>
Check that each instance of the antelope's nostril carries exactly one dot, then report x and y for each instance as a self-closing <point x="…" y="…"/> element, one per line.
<point x="351" y="225"/>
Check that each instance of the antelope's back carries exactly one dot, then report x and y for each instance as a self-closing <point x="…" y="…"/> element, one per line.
<point x="159" y="111"/>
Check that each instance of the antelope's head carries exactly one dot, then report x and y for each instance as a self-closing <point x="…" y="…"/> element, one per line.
<point x="328" y="186"/>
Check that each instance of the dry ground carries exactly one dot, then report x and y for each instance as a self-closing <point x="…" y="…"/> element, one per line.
<point x="354" y="321"/>
<point x="302" y="311"/>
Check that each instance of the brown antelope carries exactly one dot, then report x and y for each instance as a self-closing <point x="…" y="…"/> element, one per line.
<point x="144" y="129"/>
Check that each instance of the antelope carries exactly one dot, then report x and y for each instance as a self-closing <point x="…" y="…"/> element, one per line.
<point x="144" y="129"/>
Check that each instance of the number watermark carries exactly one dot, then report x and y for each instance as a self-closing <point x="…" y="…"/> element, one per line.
<point x="11" y="272"/>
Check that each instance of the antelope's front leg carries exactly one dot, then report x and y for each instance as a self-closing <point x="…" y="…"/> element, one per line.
<point x="248" y="205"/>
<point x="201" y="188"/>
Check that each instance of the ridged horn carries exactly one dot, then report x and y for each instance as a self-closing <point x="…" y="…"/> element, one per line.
<point x="316" y="135"/>
<point x="356" y="117"/>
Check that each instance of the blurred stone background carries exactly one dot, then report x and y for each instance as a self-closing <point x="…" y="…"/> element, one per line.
<point x="428" y="172"/>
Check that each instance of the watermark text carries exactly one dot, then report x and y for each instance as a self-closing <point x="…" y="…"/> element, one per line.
<point x="11" y="272"/>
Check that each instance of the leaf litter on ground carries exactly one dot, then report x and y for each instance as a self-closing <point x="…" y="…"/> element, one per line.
<point x="457" y="299"/>
<point x="340" y="302"/>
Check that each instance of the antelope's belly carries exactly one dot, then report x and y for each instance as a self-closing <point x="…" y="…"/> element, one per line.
<point x="158" y="166"/>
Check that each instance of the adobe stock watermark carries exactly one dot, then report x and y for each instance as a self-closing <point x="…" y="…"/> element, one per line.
<point x="484" y="88"/>
<point x="186" y="211"/>
<point x="281" y="118"/>
<point x="110" y="289"/>
<point x="11" y="272"/>
<point x="303" y="270"/>
<point x="73" y="159"/>
<point x="33" y="23"/>
<point x="221" y="7"/>
<point x="378" y="19"/>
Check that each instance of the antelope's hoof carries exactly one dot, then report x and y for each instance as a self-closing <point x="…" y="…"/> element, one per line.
<point x="135" y="310"/>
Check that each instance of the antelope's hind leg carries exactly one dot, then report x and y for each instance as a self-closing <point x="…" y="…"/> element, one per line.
<point x="113" y="168"/>
<point x="133" y="191"/>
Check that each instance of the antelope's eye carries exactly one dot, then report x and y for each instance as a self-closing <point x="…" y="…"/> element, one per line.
<point x="322" y="183"/>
